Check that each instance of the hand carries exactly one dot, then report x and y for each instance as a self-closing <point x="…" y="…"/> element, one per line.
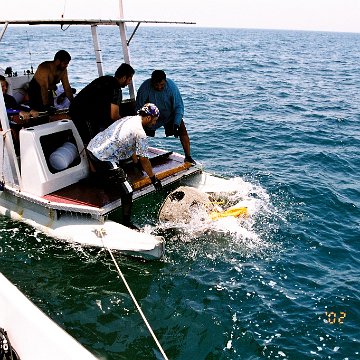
<point x="156" y="182"/>
<point x="33" y="114"/>
<point x="176" y="130"/>
<point x="61" y="98"/>
<point x="51" y="110"/>
<point x="24" y="116"/>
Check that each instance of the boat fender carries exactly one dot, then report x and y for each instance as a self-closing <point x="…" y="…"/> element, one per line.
<point x="6" y="350"/>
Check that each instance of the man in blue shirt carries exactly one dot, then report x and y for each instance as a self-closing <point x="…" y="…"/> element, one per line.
<point x="166" y="96"/>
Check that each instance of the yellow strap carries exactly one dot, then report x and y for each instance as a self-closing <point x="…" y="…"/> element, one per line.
<point x="235" y="212"/>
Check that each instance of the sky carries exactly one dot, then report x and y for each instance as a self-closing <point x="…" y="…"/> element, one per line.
<point x="318" y="15"/>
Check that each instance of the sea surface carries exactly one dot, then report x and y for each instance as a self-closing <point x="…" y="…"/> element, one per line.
<point x="275" y="112"/>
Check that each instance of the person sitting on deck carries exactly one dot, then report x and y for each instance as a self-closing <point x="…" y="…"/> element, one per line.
<point x="165" y="94"/>
<point x="18" y="114"/>
<point x="43" y="84"/>
<point x="98" y="105"/>
<point x="12" y="106"/>
<point x="124" y="139"/>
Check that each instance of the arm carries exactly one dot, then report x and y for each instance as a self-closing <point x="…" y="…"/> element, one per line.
<point x="146" y="165"/>
<point x="27" y="115"/>
<point x="142" y="96"/>
<point x="115" y="100"/>
<point x="114" y="112"/>
<point x="42" y="78"/>
<point x="66" y="85"/>
<point x="134" y="158"/>
<point x="145" y="162"/>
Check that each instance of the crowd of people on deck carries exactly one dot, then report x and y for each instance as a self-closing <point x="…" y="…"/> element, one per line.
<point x="109" y="136"/>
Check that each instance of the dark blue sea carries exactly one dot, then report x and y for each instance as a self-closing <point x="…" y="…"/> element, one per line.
<point x="277" y="113"/>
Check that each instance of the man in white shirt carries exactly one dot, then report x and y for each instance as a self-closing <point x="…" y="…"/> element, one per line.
<point x="124" y="139"/>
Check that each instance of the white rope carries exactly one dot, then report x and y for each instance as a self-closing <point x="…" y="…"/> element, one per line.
<point x="100" y="233"/>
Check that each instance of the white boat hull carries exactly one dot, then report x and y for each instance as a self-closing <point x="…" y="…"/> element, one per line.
<point x="82" y="229"/>
<point x="32" y="334"/>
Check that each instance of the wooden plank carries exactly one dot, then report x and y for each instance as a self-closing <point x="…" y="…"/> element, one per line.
<point x="160" y="175"/>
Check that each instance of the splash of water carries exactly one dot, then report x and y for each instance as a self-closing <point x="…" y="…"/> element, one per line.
<point x="244" y="233"/>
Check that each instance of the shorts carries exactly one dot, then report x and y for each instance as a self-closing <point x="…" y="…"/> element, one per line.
<point x="109" y="175"/>
<point x="169" y="129"/>
<point x="35" y="97"/>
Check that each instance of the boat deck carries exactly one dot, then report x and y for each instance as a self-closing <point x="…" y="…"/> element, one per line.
<point x="167" y="166"/>
<point x="89" y="197"/>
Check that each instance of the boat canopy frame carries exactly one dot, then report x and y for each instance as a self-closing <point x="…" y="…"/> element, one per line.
<point x="94" y="23"/>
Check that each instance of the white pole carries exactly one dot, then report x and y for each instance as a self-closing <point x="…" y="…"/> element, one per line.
<point x="121" y="8"/>
<point x="8" y="146"/>
<point x="97" y="50"/>
<point x="125" y="47"/>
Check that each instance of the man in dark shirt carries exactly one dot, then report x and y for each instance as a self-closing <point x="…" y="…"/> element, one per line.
<point x="98" y="105"/>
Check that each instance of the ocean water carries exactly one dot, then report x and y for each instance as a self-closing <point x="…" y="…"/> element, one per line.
<point x="275" y="112"/>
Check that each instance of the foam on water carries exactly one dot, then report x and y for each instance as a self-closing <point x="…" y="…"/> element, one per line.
<point x="248" y="234"/>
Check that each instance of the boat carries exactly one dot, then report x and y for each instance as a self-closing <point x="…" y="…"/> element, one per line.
<point x="58" y="200"/>
<point x="30" y="333"/>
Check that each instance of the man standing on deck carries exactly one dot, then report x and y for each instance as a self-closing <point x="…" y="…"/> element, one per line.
<point x="166" y="96"/>
<point x="124" y="139"/>
<point x="43" y="85"/>
<point x="98" y="105"/>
